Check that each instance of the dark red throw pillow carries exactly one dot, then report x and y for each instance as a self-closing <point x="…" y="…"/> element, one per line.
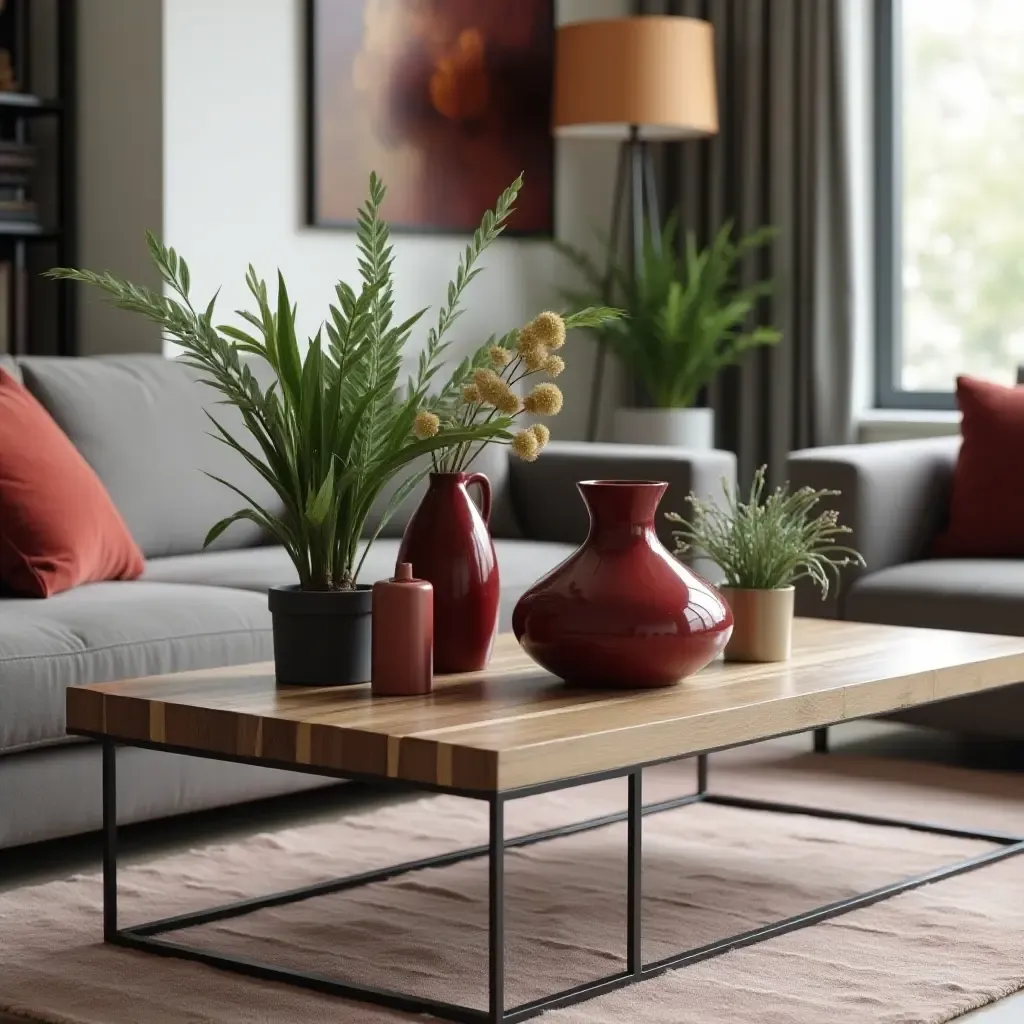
<point x="986" y="511"/>
<point x="58" y="526"/>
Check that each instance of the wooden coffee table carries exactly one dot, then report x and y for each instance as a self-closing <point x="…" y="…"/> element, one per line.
<point x="513" y="731"/>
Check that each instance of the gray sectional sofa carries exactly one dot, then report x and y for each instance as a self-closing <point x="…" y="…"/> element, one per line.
<point x="139" y="421"/>
<point x="895" y="497"/>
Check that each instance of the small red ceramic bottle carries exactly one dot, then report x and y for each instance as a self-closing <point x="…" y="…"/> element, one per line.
<point x="403" y="635"/>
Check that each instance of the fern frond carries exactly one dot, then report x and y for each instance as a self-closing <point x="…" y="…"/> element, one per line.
<point x="491" y="226"/>
<point x="687" y="315"/>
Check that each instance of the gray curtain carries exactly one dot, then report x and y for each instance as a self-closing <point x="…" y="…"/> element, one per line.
<point x="780" y="158"/>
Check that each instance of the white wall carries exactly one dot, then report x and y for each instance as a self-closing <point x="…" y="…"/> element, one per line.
<point x="120" y="169"/>
<point x="233" y="184"/>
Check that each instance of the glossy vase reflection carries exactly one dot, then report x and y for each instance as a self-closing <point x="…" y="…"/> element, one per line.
<point x="622" y="611"/>
<point x="449" y="546"/>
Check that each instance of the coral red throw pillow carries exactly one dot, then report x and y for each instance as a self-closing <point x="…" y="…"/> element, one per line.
<point x="986" y="513"/>
<point x="58" y="526"/>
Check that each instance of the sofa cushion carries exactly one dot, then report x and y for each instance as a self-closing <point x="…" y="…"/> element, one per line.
<point x="977" y="595"/>
<point x="107" y="631"/>
<point x="9" y="364"/>
<point x="139" y="421"/>
<point x="986" y="507"/>
<point x="58" y="526"/>
<point x="245" y="569"/>
<point x="520" y="563"/>
<point x="45" y="794"/>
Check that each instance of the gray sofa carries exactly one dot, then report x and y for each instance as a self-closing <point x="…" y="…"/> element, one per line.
<point x="140" y="423"/>
<point x="895" y="497"/>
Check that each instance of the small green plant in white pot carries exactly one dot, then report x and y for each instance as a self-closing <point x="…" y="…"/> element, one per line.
<point x="688" y="315"/>
<point x="763" y="546"/>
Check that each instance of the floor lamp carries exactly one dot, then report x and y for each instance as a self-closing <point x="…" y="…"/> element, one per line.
<point x="639" y="80"/>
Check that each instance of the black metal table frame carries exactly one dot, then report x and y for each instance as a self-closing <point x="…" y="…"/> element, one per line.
<point x="144" y="937"/>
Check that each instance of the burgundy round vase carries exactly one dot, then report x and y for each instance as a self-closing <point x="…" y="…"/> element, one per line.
<point x="449" y="546"/>
<point x="622" y="611"/>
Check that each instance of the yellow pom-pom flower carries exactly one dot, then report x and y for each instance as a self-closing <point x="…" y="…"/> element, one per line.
<point x="525" y="445"/>
<point x="508" y="403"/>
<point x="471" y="394"/>
<point x="549" y="329"/>
<point x="528" y="339"/>
<point x="491" y="387"/>
<point x="542" y="434"/>
<point x="425" y="425"/>
<point x="535" y="358"/>
<point x="499" y="357"/>
<point x="544" y="400"/>
<point x="554" y="365"/>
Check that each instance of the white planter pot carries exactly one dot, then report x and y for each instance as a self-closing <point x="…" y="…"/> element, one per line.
<point x="680" y="428"/>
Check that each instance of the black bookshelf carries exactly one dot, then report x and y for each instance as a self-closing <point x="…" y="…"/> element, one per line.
<point x="37" y="175"/>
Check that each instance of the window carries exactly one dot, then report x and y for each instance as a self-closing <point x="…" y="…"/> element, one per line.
<point x="949" y="196"/>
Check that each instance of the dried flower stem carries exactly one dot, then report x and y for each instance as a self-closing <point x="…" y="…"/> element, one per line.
<point x="480" y="393"/>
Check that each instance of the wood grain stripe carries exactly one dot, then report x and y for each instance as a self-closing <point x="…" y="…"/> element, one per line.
<point x="444" y="764"/>
<point x="157" y="730"/>
<point x="512" y="724"/>
<point x="302" y="743"/>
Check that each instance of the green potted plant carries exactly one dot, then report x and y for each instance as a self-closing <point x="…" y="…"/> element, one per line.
<point x="332" y="429"/>
<point x="763" y="546"/>
<point x="687" y="316"/>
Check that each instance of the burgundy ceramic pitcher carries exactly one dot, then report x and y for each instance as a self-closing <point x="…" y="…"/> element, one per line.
<point x="622" y="611"/>
<point x="449" y="545"/>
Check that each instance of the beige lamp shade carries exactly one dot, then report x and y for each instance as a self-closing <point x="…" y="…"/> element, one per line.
<point x="655" y="72"/>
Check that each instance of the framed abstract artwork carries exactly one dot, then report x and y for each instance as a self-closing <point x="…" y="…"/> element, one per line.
<point x="447" y="100"/>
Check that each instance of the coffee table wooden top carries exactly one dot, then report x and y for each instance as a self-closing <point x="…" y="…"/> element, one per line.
<point x="514" y="725"/>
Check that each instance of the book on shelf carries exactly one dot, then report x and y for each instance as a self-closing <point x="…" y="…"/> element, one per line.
<point x="14" y="178"/>
<point x="16" y="155"/>
<point x="18" y="209"/>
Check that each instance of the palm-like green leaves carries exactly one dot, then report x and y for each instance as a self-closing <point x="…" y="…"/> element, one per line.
<point x="333" y="428"/>
<point x="687" y="315"/>
<point x="767" y="543"/>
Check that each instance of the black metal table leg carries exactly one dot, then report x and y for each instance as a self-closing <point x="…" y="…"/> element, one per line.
<point x="634" y="884"/>
<point x="821" y="741"/>
<point x="109" y="841"/>
<point x="496" y="911"/>
<point x="148" y="937"/>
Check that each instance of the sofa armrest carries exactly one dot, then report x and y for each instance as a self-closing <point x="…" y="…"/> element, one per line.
<point x="549" y="507"/>
<point x="895" y="499"/>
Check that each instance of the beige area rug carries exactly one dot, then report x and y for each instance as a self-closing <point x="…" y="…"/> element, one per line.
<point x="926" y="956"/>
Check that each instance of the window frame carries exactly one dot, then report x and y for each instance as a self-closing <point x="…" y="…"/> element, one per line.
<point x="888" y="220"/>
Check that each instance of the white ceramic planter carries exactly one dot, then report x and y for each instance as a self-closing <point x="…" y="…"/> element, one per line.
<point x="679" y="428"/>
<point x="763" y="629"/>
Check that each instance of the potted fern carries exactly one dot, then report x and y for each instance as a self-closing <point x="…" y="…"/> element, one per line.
<point x="330" y="432"/>
<point x="687" y="317"/>
<point x="763" y="546"/>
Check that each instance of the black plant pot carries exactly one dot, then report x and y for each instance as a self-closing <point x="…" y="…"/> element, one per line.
<point x="321" y="638"/>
